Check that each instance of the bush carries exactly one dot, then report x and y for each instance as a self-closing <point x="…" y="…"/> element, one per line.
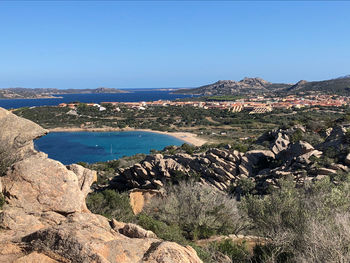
<point x="161" y="229"/>
<point x="111" y="204"/>
<point x="312" y="138"/>
<point x="223" y="251"/>
<point x="244" y="187"/>
<point x="200" y="211"/>
<point x="327" y="241"/>
<point x="310" y="224"/>
<point x="189" y="149"/>
<point x="237" y="252"/>
<point x="204" y="254"/>
<point x="296" y="136"/>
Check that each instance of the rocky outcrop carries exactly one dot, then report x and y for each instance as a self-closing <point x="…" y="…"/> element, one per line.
<point x="220" y="168"/>
<point x="215" y="167"/>
<point x="135" y="231"/>
<point x="85" y="176"/>
<point x="255" y="160"/>
<point x="335" y="139"/>
<point x="347" y="159"/>
<point x="171" y="253"/>
<point x="45" y="218"/>
<point x="17" y="134"/>
<point x="295" y="150"/>
<point x="281" y="143"/>
<point x="225" y="169"/>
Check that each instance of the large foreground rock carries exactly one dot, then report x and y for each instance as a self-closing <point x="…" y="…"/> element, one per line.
<point x="45" y="218"/>
<point x="41" y="184"/>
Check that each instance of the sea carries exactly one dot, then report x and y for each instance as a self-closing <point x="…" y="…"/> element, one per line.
<point x="91" y="147"/>
<point x="132" y="96"/>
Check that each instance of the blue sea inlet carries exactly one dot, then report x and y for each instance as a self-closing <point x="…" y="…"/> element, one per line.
<point x="90" y="147"/>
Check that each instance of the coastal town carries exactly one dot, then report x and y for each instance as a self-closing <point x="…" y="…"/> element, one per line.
<point x="254" y="104"/>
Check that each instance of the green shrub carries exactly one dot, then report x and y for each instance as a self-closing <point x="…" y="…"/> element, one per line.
<point x="244" y="187"/>
<point x="204" y="254"/>
<point x="312" y="138"/>
<point x="241" y="147"/>
<point x="296" y="136"/>
<point x="271" y="253"/>
<point x="223" y="251"/>
<point x="178" y="176"/>
<point x="189" y="149"/>
<point x="111" y="204"/>
<point x="161" y="229"/>
<point x="237" y="252"/>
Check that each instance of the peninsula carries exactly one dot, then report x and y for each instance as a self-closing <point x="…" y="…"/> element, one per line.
<point x="26" y="93"/>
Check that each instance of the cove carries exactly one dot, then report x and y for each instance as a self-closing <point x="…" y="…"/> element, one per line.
<point x="90" y="147"/>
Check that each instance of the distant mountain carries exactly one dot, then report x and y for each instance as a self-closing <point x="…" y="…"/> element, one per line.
<point x="344" y="77"/>
<point x="24" y="93"/>
<point x="336" y="86"/>
<point x="228" y="87"/>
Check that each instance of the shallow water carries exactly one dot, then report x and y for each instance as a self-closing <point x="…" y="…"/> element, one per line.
<point x="73" y="147"/>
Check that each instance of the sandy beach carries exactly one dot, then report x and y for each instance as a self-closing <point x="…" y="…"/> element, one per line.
<point x="187" y="137"/>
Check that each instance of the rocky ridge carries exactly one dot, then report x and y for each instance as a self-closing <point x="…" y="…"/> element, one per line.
<point x="45" y="218"/>
<point x="226" y="169"/>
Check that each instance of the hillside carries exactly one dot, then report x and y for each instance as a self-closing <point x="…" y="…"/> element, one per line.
<point x="25" y="93"/>
<point x="228" y="87"/>
<point x="337" y="86"/>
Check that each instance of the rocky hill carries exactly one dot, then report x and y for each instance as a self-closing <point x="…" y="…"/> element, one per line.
<point x="228" y="87"/>
<point x="45" y="218"/>
<point x="26" y="93"/>
<point x="257" y="85"/>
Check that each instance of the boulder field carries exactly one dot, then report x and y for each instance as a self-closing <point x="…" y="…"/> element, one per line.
<point x="45" y="218"/>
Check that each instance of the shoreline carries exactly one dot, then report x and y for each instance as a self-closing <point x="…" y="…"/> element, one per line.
<point x="187" y="137"/>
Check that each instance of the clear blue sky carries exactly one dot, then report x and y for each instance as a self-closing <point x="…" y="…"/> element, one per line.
<point x="63" y="44"/>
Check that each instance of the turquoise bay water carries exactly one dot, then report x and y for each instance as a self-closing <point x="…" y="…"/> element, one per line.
<point x="73" y="147"/>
